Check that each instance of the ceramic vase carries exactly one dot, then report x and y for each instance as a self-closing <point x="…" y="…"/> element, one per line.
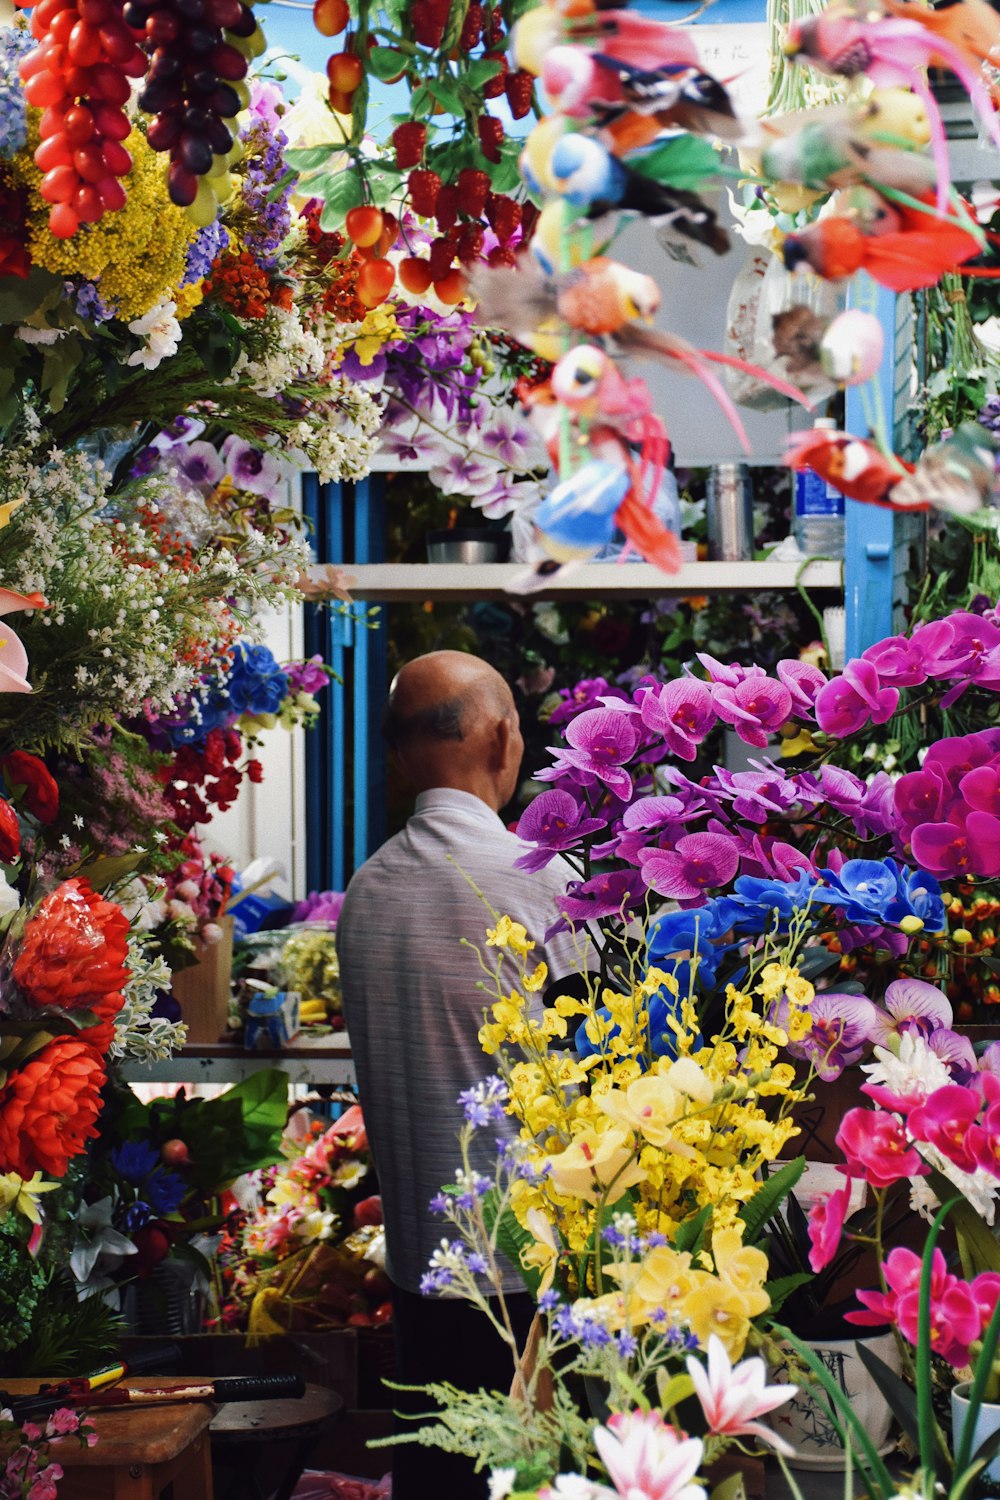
<point x="987" y="1423"/>
<point x="804" y="1421"/>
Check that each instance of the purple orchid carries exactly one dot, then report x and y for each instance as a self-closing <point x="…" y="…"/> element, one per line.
<point x="842" y="1026"/>
<point x="968" y="846"/>
<point x="461" y="473"/>
<point x="682" y="712"/>
<point x="771" y="858"/>
<point x="898" y="661"/>
<point x="510" y="439"/>
<point x="411" y="443"/>
<point x="911" y="1007"/>
<point x="919" y="797"/>
<point x="803" y="681"/>
<point x="249" y="468"/>
<point x="757" y="795"/>
<point x="587" y="694"/>
<point x="555" y="820"/>
<point x="756" y="707"/>
<point x="606" y="895"/>
<point x="650" y="815"/>
<point x="729" y="674"/>
<point x="200" y="464"/>
<point x="854" y="699"/>
<point x="699" y="862"/>
<point x="600" y="742"/>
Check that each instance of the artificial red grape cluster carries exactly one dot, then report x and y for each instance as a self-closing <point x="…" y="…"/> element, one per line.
<point x="78" y="77"/>
<point x="198" y="51"/>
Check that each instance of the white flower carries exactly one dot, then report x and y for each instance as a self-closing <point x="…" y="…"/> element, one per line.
<point x="9" y="903"/>
<point x="29" y="335"/>
<point x="912" y="1073"/>
<point x="988" y="335"/>
<point x="162" y="334"/>
<point x="732" y="1396"/>
<point x="501" y="1483"/>
<point x="315" y="1225"/>
<point x="575" y="1487"/>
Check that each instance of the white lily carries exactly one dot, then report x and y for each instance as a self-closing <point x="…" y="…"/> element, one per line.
<point x="732" y="1396"/>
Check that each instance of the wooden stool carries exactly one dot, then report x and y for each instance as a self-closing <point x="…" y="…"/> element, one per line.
<point x="139" y="1452"/>
<point x="266" y="1444"/>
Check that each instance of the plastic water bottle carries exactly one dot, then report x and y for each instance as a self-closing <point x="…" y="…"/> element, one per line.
<point x="818" y="526"/>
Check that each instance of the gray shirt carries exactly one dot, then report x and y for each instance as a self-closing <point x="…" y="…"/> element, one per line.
<point x="411" y="1004"/>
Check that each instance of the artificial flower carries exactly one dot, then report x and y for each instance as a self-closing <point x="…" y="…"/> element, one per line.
<point x="647" y="1460"/>
<point x="49" y="1108"/>
<point x="74" y="948"/>
<point x="22" y="1195"/>
<point x="733" y="1396"/>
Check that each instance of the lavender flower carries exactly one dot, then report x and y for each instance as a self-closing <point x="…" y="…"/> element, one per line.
<point x="202" y="251"/>
<point x="252" y="470"/>
<point x="14" y="43"/>
<point x="267" y="186"/>
<point x="87" y="301"/>
<point x="484" y="1102"/>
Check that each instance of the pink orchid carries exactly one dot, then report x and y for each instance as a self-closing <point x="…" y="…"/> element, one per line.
<point x="13" y="657"/>
<point x="959" y="1310"/>
<point x="850" y="701"/>
<point x="682" y="712"/>
<point x="756" y="707"/>
<point x="946" y="1119"/>
<point x="699" y="862"/>
<point x="732" y="1396"/>
<point x="826" y="1225"/>
<point x="875" y="1147"/>
<point x="647" y="1460"/>
<point x="803" y="681"/>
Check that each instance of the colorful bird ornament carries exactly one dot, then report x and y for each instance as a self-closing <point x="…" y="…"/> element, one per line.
<point x="618" y="34"/>
<point x="851" y="465"/>
<point x="904" y="260"/>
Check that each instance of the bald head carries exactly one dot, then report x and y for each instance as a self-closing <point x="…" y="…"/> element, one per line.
<point x="450" y="721"/>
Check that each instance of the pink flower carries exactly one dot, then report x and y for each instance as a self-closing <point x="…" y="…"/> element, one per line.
<point x="957" y="1316"/>
<point x="946" y="1120"/>
<point x="826" y="1224"/>
<point x="700" y="861"/>
<point x="647" y="1460"/>
<point x="732" y="1396"/>
<point x="875" y="1147"/>
<point x="850" y="701"/>
<point x="803" y="681"/>
<point x="681" y="712"/>
<point x="757" y="707"/>
<point x="13" y="657"/>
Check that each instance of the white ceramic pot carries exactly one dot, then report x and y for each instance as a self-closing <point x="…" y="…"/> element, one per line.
<point x="987" y="1422"/>
<point x="804" y="1423"/>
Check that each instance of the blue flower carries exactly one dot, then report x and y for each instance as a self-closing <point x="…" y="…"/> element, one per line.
<point x="880" y="891"/>
<point x="135" y="1160"/>
<point x="256" y="684"/>
<point x="165" y="1191"/>
<point x="763" y="900"/>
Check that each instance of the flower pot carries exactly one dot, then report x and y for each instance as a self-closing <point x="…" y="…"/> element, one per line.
<point x="804" y="1422"/>
<point x="468" y="544"/>
<point x="203" y="991"/>
<point x="987" y="1423"/>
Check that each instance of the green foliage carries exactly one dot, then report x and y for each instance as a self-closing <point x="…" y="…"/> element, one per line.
<point x="511" y="1239"/>
<point x="765" y="1203"/>
<point x="22" y="1286"/>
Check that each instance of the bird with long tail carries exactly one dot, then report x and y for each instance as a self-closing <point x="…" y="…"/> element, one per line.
<point x="850" y="464"/>
<point x="603" y="299"/>
<point x="847" y="43"/>
<point x="617" y="34"/>
<point x="915" y="255"/>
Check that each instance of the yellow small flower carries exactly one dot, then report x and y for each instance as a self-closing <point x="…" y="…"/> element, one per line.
<point x="536" y="980"/>
<point x="799" y="991"/>
<point x="22" y="1194"/>
<point x="509" y="934"/>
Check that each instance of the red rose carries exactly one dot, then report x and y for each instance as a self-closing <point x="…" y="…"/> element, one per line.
<point x="41" y="792"/>
<point x="74" y="949"/>
<point x="10" y="833"/>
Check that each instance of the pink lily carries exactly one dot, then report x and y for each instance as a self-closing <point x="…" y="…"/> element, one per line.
<point x="647" y="1460"/>
<point x="732" y="1396"/>
<point x="13" y="657"/>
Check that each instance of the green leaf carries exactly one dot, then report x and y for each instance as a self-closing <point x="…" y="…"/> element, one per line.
<point x="263" y="1101"/>
<point x="308" y="158"/>
<point x="481" y="71"/>
<point x="385" y="62"/>
<point x="445" y="94"/>
<point x="765" y="1203"/>
<point x="22" y="296"/>
<point x="782" y="1287"/>
<point x="731" y="1488"/>
<point x="340" y="193"/>
<point x="511" y="1239"/>
<point x="686" y="161"/>
<point x="688" y="1238"/>
<point x="900" y="1397"/>
<point x="103" y="873"/>
<point x="675" y="1390"/>
<point x="59" y="360"/>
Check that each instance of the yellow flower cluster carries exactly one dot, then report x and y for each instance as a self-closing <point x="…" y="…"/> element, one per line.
<point x="136" y="256"/>
<point x="661" y="1137"/>
<point x="377" y="329"/>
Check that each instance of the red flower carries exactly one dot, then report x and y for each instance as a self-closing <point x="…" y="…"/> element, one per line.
<point x="49" y="1108"/>
<point x="41" y="792"/>
<point x="10" y="833"/>
<point x="74" y="949"/>
<point x="14" y="258"/>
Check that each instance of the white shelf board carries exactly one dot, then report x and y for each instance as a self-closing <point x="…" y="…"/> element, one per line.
<point x="306" y="1061"/>
<point x="415" y="582"/>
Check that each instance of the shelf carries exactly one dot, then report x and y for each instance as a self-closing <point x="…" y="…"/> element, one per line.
<point x="396" y="583"/>
<point x="324" y="1059"/>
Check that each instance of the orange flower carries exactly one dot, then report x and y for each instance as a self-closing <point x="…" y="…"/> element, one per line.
<point x="74" y="949"/>
<point x="49" y="1108"/>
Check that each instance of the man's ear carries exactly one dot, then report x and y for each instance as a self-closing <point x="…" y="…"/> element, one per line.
<point x="501" y="743"/>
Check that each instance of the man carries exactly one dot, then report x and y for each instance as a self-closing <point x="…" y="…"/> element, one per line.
<point x="413" y="1008"/>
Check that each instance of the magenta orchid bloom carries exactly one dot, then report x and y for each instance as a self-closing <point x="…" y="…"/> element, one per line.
<point x="946" y="1120"/>
<point x="804" y="682"/>
<point x="968" y="847"/>
<point x="732" y="1396"/>
<point x="898" y="661"/>
<point x="13" y="657"/>
<point x="648" y="817"/>
<point x="876" y="1147"/>
<point x="910" y="1006"/>
<point x="682" y="712"/>
<point x="647" y="1460"/>
<point x="607" y="895"/>
<point x="554" y="820"/>
<point x="959" y="1309"/>
<point x="826" y="1226"/>
<point x="841" y="1029"/>
<point x="756" y="707"/>
<point x="601" y="740"/>
<point x="854" y="699"/>
<point x="699" y="862"/>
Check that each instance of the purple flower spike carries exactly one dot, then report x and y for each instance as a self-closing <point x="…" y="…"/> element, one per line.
<point x="553" y="821"/>
<point x="842" y="1026"/>
<point x="803" y="682"/>
<point x="700" y="862"/>
<point x="682" y="712"/>
<point x="911" y="1005"/>
<point x="757" y="707"/>
<point x="601" y="741"/>
<point x="851" y="701"/>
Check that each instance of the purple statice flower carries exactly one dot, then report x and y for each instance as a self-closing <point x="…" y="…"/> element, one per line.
<point x="267" y="187"/>
<point x="553" y="821"/>
<point x="87" y="300"/>
<point x="989" y="414"/>
<point x="803" y="681"/>
<point x="548" y="1301"/>
<point x="439" y="1204"/>
<point x="627" y="1344"/>
<point x="842" y="1027"/>
<point x="600" y="743"/>
<point x="320" y="906"/>
<point x="854" y="699"/>
<point x="682" y="713"/>
<point x="587" y="694"/>
<point x="607" y="895"/>
<point x="756" y="707"/>
<point x="206" y="246"/>
<point x="699" y="862"/>
<point x="249" y="468"/>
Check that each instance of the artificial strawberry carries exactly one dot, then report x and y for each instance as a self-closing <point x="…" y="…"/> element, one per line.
<point x="502" y="255"/>
<point x="470" y="243"/>
<point x="409" y="140"/>
<point x="493" y="87"/>
<point x="446" y="209"/>
<point x="529" y="218"/>
<point x="494" y="27"/>
<point x="424" y="188"/>
<point x="519" y="86"/>
<point x="473" y="186"/>
<point x="472" y="27"/>
<point x="503" y="216"/>
<point x="428" y="19"/>
<point x="440" y="258"/>
<point x="490" y="132"/>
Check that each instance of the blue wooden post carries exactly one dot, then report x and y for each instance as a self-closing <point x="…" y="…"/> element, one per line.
<point x="329" y="635"/>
